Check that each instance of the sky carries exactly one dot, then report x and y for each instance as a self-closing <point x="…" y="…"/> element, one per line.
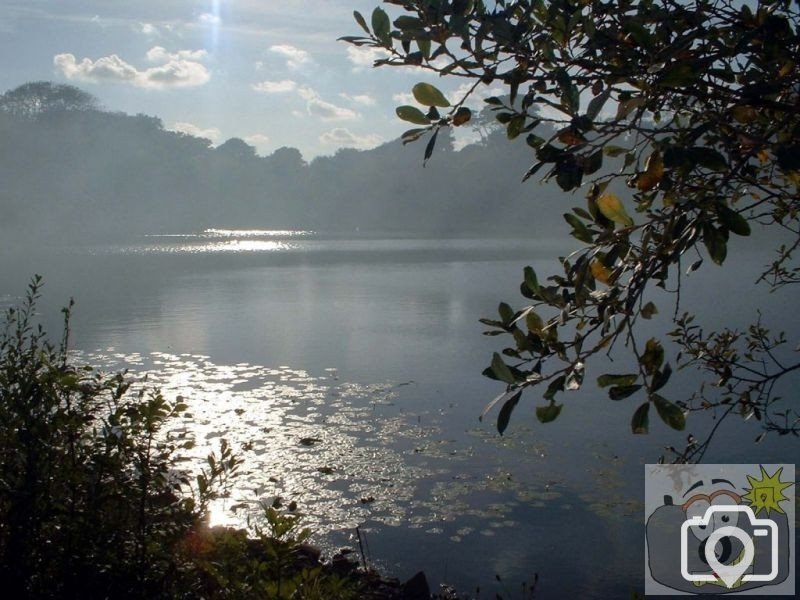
<point x="268" y="71"/>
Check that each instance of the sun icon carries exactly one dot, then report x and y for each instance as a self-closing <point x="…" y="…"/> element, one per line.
<point x="766" y="493"/>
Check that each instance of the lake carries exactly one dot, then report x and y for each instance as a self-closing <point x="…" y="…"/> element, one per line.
<point x="346" y="371"/>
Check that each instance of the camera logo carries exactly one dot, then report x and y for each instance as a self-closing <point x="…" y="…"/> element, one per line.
<point x="735" y="571"/>
<point x="719" y="529"/>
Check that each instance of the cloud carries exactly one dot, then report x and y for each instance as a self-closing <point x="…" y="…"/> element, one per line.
<point x="275" y="87"/>
<point x="209" y="19"/>
<point x="362" y="99"/>
<point x="322" y="109"/>
<point x="174" y="70"/>
<point x="404" y="98"/>
<point x="211" y="133"/>
<point x="344" y="138"/>
<point x="365" y="57"/>
<point x="158" y="54"/>
<point x="259" y="141"/>
<point x="148" y="29"/>
<point x="295" y="57"/>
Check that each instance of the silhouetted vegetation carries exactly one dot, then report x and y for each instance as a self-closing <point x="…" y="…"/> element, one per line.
<point x="73" y="172"/>
<point x="94" y="502"/>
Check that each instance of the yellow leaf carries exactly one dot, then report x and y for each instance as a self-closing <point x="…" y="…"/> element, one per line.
<point x="600" y="272"/>
<point x="612" y="209"/>
<point x="786" y="69"/>
<point x="763" y="156"/>
<point x="744" y="113"/>
<point x="653" y="172"/>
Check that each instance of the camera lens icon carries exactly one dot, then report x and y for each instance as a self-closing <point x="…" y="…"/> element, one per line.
<point x="725" y="569"/>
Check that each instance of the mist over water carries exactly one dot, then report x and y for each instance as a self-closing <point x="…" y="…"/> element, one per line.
<point x="346" y="372"/>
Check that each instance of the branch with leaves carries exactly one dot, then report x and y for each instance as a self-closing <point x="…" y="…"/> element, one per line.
<point x="695" y="108"/>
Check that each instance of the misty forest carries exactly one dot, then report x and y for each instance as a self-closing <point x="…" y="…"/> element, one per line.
<point x="410" y="314"/>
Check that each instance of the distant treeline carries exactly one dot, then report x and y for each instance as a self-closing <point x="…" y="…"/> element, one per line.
<point x="71" y="171"/>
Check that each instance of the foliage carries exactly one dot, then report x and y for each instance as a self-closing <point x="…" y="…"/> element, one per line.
<point x="37" y="97"/>
<point x="94" y="505"/>
<point x="694" y="106"/>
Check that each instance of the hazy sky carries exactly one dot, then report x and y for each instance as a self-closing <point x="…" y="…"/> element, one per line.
<point x="268" y="71"/>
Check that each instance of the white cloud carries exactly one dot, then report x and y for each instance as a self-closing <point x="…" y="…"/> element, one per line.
<point x="362" y="99"/>
<point x="259" y="141"/>
<point x="210" y="133"/>
<point x="362" y="56"/>
<point x="322" y="109"/>
<point x="148" y="29"/>
<point x="344" y="138"/>
<point x="275" y="87"/>
<point x="177" y="69"/>
<point x="159" y="54"/>
<point x="295" y="57"/>
<point x="404" y="98"/>
<point x="329" y="112"/>
<point x="209" y="19"/>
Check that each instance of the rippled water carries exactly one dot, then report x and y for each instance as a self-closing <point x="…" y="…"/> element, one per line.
<point x="346" y="372"/>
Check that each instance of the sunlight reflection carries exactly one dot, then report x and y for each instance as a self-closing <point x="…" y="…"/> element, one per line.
<point x="306" y="439"/>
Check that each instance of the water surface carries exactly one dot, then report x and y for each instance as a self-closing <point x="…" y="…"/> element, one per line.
<point x="345" y="370"/>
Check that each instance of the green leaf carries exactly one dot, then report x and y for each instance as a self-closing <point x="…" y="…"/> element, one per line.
<point x="640" y="421"/>
<point x="532" y="171"/>
<point x="570" y="95"/>
<point x="506" y="313"/>
<point x="670" y="413"/>
<point x="428" y="95"/>
<point x="424" y="46"/>
<point x="596" y="104"/>
<point x="547" y="414"/>
<point x="623" y="391"/>
<point x="530" y="279"/>
<point x="623" y="380"/>
<point x="500" y="398"/>
<point x="612" y="208"/>
<point x="412" y="114"/>
<point x="680" y="75"/>
<point x="505" y="412"/>
<point x="361" y="21"/>
<point x="557" y="385"/>
<point x="534" y="141"/>
<point x="592" y="162"/>
<point x="500" y="369"/>
<point x="715" y="243"/>
<point x="733" y="220"/>
<point x="653" y="356"/>
<point x="579" y="230"/>
<point x="430" y="146"/>
<point x="408" y="22"/>
<point x="708" y="158"/>
<point x="412" y="135"/>
<point x="661" y="378"/>
<point x="568" y="175"/>
<point x="534" y="322"/>
<point x="515" y="126"/>
<point x="381" y="26"/>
